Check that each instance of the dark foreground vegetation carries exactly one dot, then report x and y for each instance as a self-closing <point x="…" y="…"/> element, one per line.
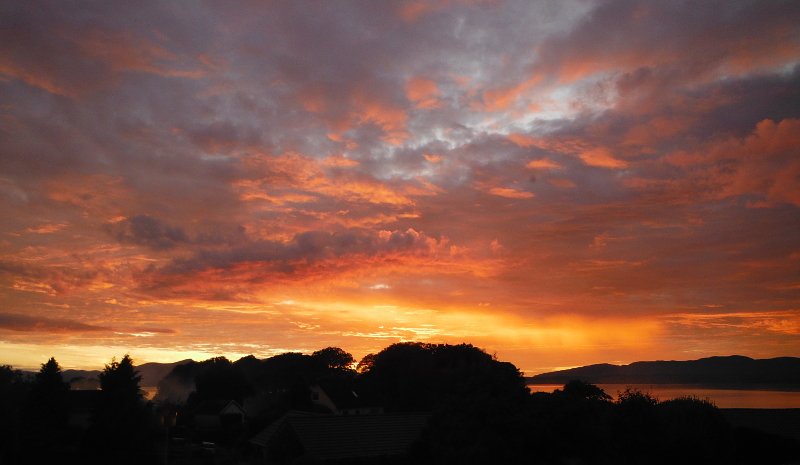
<point x="480" y="412"/>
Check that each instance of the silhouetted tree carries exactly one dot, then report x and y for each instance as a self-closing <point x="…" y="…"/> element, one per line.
<point x="251" y="368"/>
<point x="585" y="390"/>
<point x="333" y="358"/>
<point x="571" y="424"/>
<point x="477" y="402"/>
<point x="636" y="428"/>
<point x="14" y="387"/>
<point x="123" y="428"/>
<point x="220" y="379"/>
<point x="366" y="363"/>
<point x="415" y="376"/>
<point x="693" y="431"/>
<point x="44" y="414"/>
<point x="47" y="397"/>
<point x="284" y="370"/>
<point x="120" y="382"/>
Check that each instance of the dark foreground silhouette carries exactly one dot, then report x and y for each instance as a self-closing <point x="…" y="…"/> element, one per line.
<point x="467" y="408"/>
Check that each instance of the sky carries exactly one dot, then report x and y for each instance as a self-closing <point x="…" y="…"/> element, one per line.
<point x="560" y="182"/>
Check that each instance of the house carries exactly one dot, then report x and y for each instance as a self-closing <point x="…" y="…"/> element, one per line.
<point x="218" y="414"/>
<point x="343" y="400"/>
<point x="334" y="437"/>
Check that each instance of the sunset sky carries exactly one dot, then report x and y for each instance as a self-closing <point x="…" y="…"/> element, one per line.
<point x="557" y="182"/>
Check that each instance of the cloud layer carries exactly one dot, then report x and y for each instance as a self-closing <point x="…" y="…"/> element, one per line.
<point x="520" y="175"/>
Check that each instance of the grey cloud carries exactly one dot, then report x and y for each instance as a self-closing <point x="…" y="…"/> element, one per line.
<point x="61" y="279"/>
<point x="263" y="59"/>
<point x="693" y="39"/>
<point x="85" y="46"/>
<point x="305" y="248"/>
<point x="156" y="234"/>
<point x="18" y="322"/>
<point x="148" y="231"/>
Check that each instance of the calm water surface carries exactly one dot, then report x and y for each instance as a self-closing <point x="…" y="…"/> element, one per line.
<point x="722" y="398"/>
<point x="150" y="392"/>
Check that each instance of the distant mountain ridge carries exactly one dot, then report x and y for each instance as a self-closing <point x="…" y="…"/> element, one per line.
<point x="151" y="372"/>
<point x="728" y="371"/>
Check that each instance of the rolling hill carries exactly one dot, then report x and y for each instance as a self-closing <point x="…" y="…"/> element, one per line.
<point x="731" y="371"/>
<point x="151" y="373"/>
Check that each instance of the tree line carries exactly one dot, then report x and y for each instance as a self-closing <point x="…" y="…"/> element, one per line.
<point x="35" y="412"/>
<point x="481" y="411"/>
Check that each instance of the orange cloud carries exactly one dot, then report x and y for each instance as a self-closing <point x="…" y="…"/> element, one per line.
<point x="566" y="145"/>
<point x="292" y="171"/>
<point x="502" y="98"/>
<point x="51" y="279"/>
<point x="339" y="161"/>
<point x="47" y="81"/>
<point x="313" y="99"/>
<point x="603" y="158"/>
<point x="658" y="128"/>
<point x="787" y="322"/>
<point x="511" y="193"/>
<point x="544" y="163"/>
<point x="18" y="322"/>
<point x="424" y="93"/>
<point x="763" y="163"/>
<point x="560" y="182"/>
<point x="412" y="10"/>
<point x="525" y="141"/>
<point x="47" y="228"/>
<point x="391" y="119"/>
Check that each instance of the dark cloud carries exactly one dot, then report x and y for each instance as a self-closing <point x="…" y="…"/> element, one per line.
<point x="159" y="235"/>
<point x="155" y="330"/>
<point x="60" y="279"/>
<point x="17" y="322"/>
<point x="148" y="231"/>
<point x="305" y="249"/>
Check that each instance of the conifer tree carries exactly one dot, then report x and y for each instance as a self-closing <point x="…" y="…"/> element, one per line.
<point x="123" y="427"/>
<point x="44" y="417"/>
<point x="120" y="383"/>
<point x="48" y="393"/>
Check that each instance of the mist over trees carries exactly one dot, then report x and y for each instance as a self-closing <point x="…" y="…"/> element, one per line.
<point x="480" y="412"/>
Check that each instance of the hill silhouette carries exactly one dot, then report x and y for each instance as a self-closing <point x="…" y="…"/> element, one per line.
<point x="151" y="373"/>
<point x="731" y="371"/>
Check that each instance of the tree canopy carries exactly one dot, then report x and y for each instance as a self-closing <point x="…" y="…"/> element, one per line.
<point x="417" y="376"/>
<point x="123" y="425"/>
<point x="120" y="381"/>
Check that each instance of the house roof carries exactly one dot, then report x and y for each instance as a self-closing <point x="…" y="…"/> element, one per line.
<point x="339" y="436"/>
<point x="344" y="396"/>
<point x="263" y="437"/>
<point x="217" y="407"/>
